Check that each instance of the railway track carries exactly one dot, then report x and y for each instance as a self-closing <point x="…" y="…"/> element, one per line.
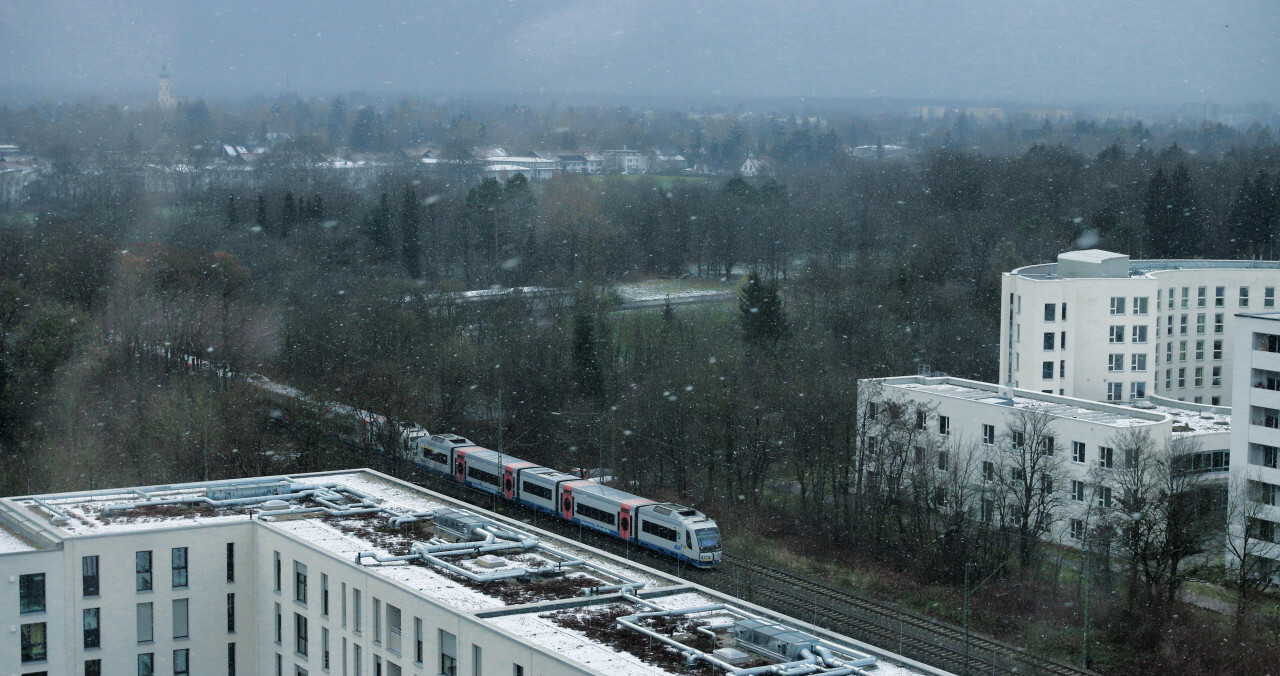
<point x="881" y="624"/>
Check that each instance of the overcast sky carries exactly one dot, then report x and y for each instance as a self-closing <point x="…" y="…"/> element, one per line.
<point x="1068" y="52"/>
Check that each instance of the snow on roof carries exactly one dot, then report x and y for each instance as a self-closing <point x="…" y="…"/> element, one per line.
<point x="1061" y="407"/>
<point x="10" y="542"/>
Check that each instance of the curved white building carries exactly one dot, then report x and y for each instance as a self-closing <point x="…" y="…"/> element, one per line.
<point x="1096" y="325"/>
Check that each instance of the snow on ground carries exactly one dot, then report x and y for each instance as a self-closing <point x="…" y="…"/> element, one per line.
<point x="393" y="496"/>
<point x="12" y="543"/>
<point x="658" y="289"/>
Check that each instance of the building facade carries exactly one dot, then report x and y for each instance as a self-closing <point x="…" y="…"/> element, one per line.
<point x="1096" y="325"/>
<point x="1255" y="443"/>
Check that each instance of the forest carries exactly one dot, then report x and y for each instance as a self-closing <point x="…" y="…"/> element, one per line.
<point x="849" y="268"/>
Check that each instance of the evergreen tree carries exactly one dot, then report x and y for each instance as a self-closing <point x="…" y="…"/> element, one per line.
<point x="289" y="216"/>
<point x="232" y="217"/>
<point x="1155" y="215"/>
<point x="1187" y="228"/>
<point x="337" y="121"/>
<point x="764" y="320"/>
<point x="317" y="209"/>
<point x="1250" y="224"/>
<point x="410" y="240"/>
<point x="260" y="219"/>
<point x="586" y="364"/>
<point x="380" y="229"/>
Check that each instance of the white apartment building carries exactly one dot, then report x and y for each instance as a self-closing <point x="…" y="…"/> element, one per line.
<point x="1096" y="325"/>
<point x="970" y="420"/>
<point x="1255" y="442"/>
<point x="349" y="573"/>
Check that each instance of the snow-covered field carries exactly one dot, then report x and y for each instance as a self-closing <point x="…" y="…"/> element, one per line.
<point x="659" y="289"/>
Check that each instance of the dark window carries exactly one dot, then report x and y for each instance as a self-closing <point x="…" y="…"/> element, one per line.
<point x="1050" y="312"/>
<point x="483" y="476"/>
<point x="31" y="593"/>
<point x="231" y="613"/>
<point x="324" y="594"/>
<point x="300" y="582"/>
<point x="658" y="530"/>
<point x="35" y="645"/>
<point x="147" y="664"/>
<point x="231" y="659"/>
<point x="595" y="514"/>
<point x="277" y="571"/>
<point x="537" y="490"/>
<point x="89" y="575"/>
<point x="93" y="668"/>
<point x="299" y="634"/>
<point x="92" y="634"/>
<point x="178" y="559"/>
<point x="231" y="562"/>
<point x="142" y="571"/>
<point x="180" y="662"/>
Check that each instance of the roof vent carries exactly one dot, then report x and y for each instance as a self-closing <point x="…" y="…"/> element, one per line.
<point x="490" y="561"/>
<point x="274" y="505"/>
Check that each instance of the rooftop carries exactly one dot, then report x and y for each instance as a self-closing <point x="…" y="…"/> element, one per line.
<point x="1095" y="263"/>
<point x="1054" y="405"/>
<point x="600" y="610"/>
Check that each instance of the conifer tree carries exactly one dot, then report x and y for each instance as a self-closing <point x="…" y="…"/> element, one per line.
<point x="260" y="219"/>
<point x="760" y="311"/>
<point x="289" y="215"/>
<point x="232" y="217"/>
<point x="410" y="239"/>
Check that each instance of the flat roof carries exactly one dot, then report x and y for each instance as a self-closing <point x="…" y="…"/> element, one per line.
<point x="345" y="514"/>
<point x="1144" y="268"/>
<point x="1054" y="405"/>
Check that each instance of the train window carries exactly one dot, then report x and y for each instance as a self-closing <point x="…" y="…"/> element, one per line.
<point x="483" y="476"/>
<point x="708" y="539"/>
<point x="662" y="510"/>
<point x="658" y="530"/>
<point x="536" y="490"/>
<point x="595" y="514"/>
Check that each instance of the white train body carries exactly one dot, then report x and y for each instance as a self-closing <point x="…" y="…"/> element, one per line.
<point x="674" y="530"/>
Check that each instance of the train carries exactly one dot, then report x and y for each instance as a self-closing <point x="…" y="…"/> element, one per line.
<point x="670" y="529"/>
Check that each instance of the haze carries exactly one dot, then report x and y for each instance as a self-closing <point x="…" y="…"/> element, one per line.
<point x="1036" y="51"/>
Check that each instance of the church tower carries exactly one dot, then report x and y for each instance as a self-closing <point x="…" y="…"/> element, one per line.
<point x="165" y="98"/>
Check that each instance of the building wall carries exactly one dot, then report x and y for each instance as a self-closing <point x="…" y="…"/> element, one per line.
<point x="1250" y="434"/>
<point x="1085" y="369"/>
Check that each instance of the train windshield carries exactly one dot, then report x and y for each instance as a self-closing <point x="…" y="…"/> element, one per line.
<point x="708" y="539"/>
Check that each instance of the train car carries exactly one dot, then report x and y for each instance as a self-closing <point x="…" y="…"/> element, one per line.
<point x="539" y="487"/>
<point x="681" y="532"/>
<point x="436" y="452"/>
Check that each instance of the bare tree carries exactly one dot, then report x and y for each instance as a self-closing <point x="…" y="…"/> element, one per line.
<point x="1029" y="469"/>
<point x="1251" y="573"/>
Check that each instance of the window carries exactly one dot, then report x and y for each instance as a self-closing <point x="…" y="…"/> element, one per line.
<point x="1077" y="491"/>
<point x="92" y="630"/>
<point x="942" y="460"/>
<point x="355" y="610"/>
<point x="1064" y="312"/>
<point x="1201" y="296"/>
<point x="1138" y="390"/>
<point x="1117" y="305"/>
<point x="299" y="634"/>
<point x="279" y="665"/>
<point x="377" y="620"/>
<point x="1046" y="445"/>
<point x="1137" y="362"/>
<point x="1062" y="370"/>
<point x="1199" y="350"/>
<point x="1244" y="296"/>
<point x="1062" y="340"/>
<point x="324" y="594"/>
<point x="1269" y="296"/>
<point x="1048" y="340"/>
<point x="31" y="593"/>
<point x="1115" y="362"/>
<point x="142" y="571"/>
<point x="1218" y="326"/>
<point x="1184" y="296"/>
<point x="299" y="582"/>
<point x="1217" y="350"/>
<point x="1182" y="325"/>
<point x="1019" y="439"/>
<point x="988" y="510"/>
<point x="988" y="434"/>
<point x="181" y="627"/>
<point x="1046" y="484"/>
<point x="1140" y="304"/>
<point x="1266" y="342"/>
<point x="1117" y="334"/>
<point x="1200" y="324"/>
<point x="231" y="613"/>
<point x="921" y="418"/>
<point x="181" y="657"/>
<point x="393" y="629"/>
<point x="1115" y="391"/>
<point x="1046" y="370"/>
<point x="1220" y="296"/>
<point x="89" y="575"/>
<point x="448" y="654"/>
<point x="1199" y="376"/>
<point x="277" y="572"/>
<point x="231" y="562"/>
<point x="1168" y="352"/>
<point x="1050" y="312"/>
<point x="1182" y="350"/>
<point x="1182" y="377"/>
<point x="1104" y="496"/>
<point x="1217" y="379"/>
<point x="944" y="425"/>
<point x="344" y="604"/>
<point x="1077" y="451"/>
<point x="417" y="640"/>
<point x="476" y="657"/>
<point x="178" y="562"/>
<point x="1140" y="334"/>
<point x="358" y="663"/>
<point x="1265" y="417"/>
<point x="35" y="643"/>
<point x="324" y="648"/>
<point x="146" y="627"/>
<point x="279" y="625"/>
<point x="1106" y="456"/>
<point x="1077" y="529"/>
<point x="147" y="664"/>
<point x="94" y="668"/>
<point x="988" y="470"/>
<point x="231" y="659"/>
